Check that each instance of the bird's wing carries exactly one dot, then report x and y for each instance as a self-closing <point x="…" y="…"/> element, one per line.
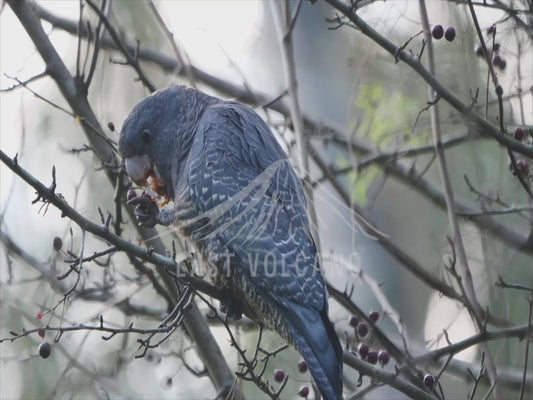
<point x="241" y="181"/>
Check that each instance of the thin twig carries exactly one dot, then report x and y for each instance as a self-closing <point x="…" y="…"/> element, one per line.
<point x="131" y="59"/>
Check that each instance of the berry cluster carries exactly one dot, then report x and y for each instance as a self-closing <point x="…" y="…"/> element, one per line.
<point x="438" y="32"/>
<point x="497" y="60"/>
<point x="382" y="357"/>
<point x="280" y="376"/>
<point x="522" y="166"/>
<point x="373" y="356"/>
<point x="362" y="330"/>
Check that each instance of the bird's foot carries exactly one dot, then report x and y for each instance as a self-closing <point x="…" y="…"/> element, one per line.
<point x="230" y="305"/>
<point x="146" y="210"/>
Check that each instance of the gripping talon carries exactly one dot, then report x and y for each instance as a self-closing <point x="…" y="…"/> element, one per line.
<point x="146" y="210"/>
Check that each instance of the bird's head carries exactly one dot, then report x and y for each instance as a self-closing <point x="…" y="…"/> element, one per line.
<point x="149" y="139"/>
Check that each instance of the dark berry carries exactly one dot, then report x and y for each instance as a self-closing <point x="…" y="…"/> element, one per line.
<point x="492" y="30"/>
<point x="304" y="391"/>
<point x="479" y="51"/>
<point x="373" y="316"/>
<point x="372" y="357"/>
<point x="496" y="47"/>
<point x="362" y="329"/>
<point x="497" y="60"/>
<point x="429" y="380"/>
<point x="363" y="349"/>
<point x="40" y="332"/>
<point x="302" y="366"/>
<point x="499" y="90"/>
<point x="169" y="381"/>
<point x="519" y="134"/>
<point x="503" y="64"/>
<point x="383" y="357"/>
<point x="523" y="167"/>
<point x="131" y="194"/>
<point x="57" y="243"/>
<point x="111" y="126"/>
<point x="45" y="349"/>
<point x="354" y="321"/>
<point x="279" y="375"/>
<point x="437" y="32"/>
<point x="450" y="34"/>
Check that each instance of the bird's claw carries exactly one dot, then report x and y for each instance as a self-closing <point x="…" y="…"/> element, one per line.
<point x="230" y="305"/>
<point x="146" y="210"/>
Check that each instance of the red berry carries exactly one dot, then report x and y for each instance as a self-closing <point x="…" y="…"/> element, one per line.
<point x="362" y="329"/>
<point x="57" y="243"/>
<point x="39" y="316"/>
<point x="363" y="350"/>
<point x="45" y="349"/>
<point x="279" y="375"/>
<point x="383" y="357"/>
<point x="354" y="321"/>
<point x="40" y="332"/>
<point x="437" y="31"/>
<point x="304" y="391"/>
<point x="449" y="34"/>
<point x="372" y="357"/>
<point x="373" y="316"/>
<point x="519" y="134"/>
<point x="429" y="380"/>
<point x="302" y="366"/>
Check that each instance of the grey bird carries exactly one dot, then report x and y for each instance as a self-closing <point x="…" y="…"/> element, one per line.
<point x="239" y="202"/>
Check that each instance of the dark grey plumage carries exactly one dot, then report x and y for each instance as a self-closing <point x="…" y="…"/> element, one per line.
<point x="238" y="200"/>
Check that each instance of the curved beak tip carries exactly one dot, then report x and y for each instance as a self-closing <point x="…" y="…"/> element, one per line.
<point x="138" y="168"/>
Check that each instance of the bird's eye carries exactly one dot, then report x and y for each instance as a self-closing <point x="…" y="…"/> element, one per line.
<point x="146" y="136"/>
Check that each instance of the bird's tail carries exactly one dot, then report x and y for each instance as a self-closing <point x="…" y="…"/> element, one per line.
<point x="315" y="338"/>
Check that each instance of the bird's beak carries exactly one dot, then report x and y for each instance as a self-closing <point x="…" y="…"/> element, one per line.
<point x="143" y="171"/>
<point x="139" y="168"/>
